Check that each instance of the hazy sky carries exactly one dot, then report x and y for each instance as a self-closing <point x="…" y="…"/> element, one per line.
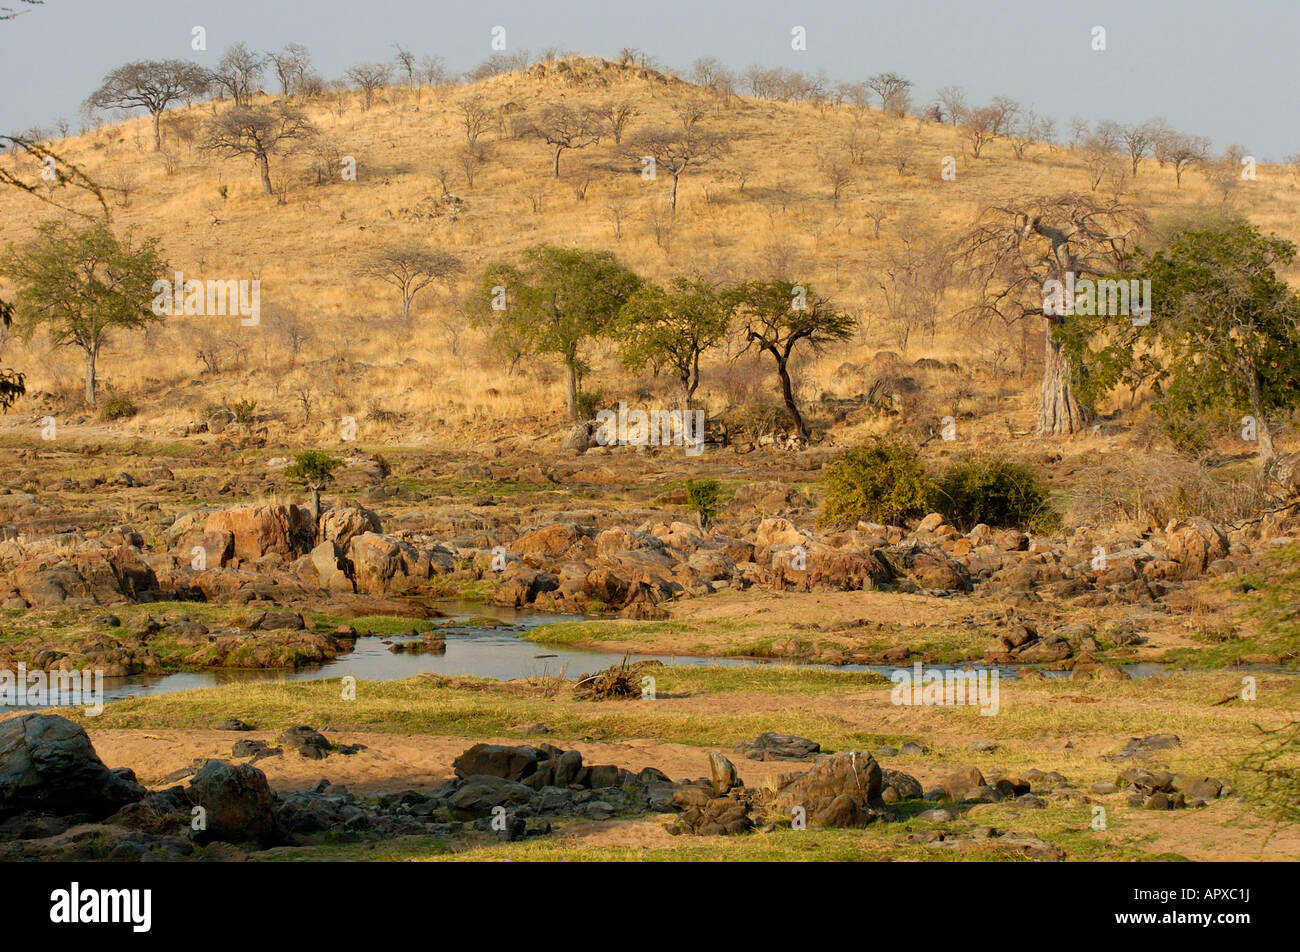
<point x="1222" y="69"/>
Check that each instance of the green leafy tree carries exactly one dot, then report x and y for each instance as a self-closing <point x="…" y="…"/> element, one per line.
<point x="313" y="468"/>
<point x="12" y="384"/>
<point x="702" y="497"/>
<point x="670" y="328"/>
<point x="1224" y="331"/>
<point x="553" y="302"/>
<point x="80" y="284"/>
<point x="779" y="316"/>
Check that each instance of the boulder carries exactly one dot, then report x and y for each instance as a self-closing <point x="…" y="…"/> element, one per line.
<point x="286" y="531"/>
<point x="778" y="532"/>
<point x="237" y="801"/>
<point x="840" y="791"/>
<point x="340" y="523"/>
<point x="494" y="760"/>
<point x="1194" y="544"/>
<point x="47" y="765"/>
<point x="771" y="746"/>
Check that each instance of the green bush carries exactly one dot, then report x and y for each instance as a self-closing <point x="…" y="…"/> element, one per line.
<point x="883" y="481"/>
<point x="588" y="403"/>
<point x="118" y="408"/>
<point x="702" y="497"/>
<point x="997" y="492"/>
<point x="243" y="411"/>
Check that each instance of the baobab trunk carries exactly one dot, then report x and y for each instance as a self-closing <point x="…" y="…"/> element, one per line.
<point x="1059" y="413"/>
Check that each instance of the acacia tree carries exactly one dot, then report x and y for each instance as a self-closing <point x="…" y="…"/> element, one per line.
<point x="1013" y="250"/>
<point x="313" y="468"/>
<point x="79" y="284"/>
<point x="893" y="91"/>
<point x="563" y="127"/>
<point x="410" y="269"/>
<point x="150" y="84"/>
<point x="260" y="132"/>
<point x="671" y="327"/>
<point x="553" y="302"/>
<point x="779" y="316"/>
<point x="675" y="150"/>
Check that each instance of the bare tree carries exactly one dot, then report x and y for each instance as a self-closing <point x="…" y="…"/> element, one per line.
<point x="979" y="127"/>
<point x="471" y="158"/>
<point x="405" y="61"/>
<point x="239" y="73"/>
<point x="563" y="127"/>
<point x="260" y="132"/>
<point x="431" y="71"/>
<point x="953" y="101"/>
<point x="1183" y="150"/>
<point x="877" y="213"/>
<point x="1014" y="249"/>
<point x="150" y="84"/>
<point x="475" y="116"/>
<point x="1100" y="156"/>
<point x="1139" y="138"/>
<point x="410" y="269"/>
<point x="675" y="150"/>
<point x="1026" y="129"/>
<point x="616" y="116"/>
<point x="893" y="90"/>
<point x="839" y="177"/>
<point x="369" y="78"/>
<point x="291" y="65"/>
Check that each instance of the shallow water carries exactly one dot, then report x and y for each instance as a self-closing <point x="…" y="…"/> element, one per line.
<point x="497" y="653"/>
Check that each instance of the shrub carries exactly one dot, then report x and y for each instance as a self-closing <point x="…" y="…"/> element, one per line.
<point x="883" y="481"/>
<point x="118" y="408"/>
<point x="243" y="411"/>
<point x="702" y="497"/>
<point x="997" y="492"/>
<point x="588" y="403"/>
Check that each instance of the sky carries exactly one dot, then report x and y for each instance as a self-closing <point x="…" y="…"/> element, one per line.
<point x="1222" y="70"/>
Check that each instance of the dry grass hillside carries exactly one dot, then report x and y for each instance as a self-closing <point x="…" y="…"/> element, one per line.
<point x="331" y="344"/>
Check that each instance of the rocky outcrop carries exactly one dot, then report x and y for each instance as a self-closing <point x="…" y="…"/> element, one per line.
<point x="47" y="765"/>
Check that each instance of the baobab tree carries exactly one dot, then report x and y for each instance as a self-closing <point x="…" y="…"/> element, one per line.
<point x="563" y="127"/>
<point x="1014" y="249"/>
<point x="410" y="269"/>
<point x="150" y="84"/>
<point x="260" y="132"/>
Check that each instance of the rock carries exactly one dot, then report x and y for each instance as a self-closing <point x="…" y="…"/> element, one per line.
<point x="330" y="569"/>
<point x="771" y="746"/>
<point x="233" y="724"/>
<point x="722" y="772"/>
<point x="904" y="786"/>
<point x="853" y="775"/>
<point x="238" y="803"/>
<point x="493" y="760"/>
<point x="963" y="783"/>
<point x="341" y="523"/>
<point x="307" y="742"/>
<point x="478" y="794"/>
<point x="262" y="530"/>
<point x="778" y="532"/>
<point x="47" y="765"/>
<point x="1194" y="544"/>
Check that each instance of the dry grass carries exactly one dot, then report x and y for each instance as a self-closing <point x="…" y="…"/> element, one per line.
<point x="331" y="345"/>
